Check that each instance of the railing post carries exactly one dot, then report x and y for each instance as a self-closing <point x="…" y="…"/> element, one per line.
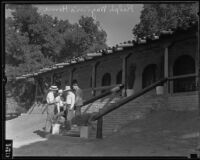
<point x="124" y="64"/>
<point x="94" y="66"/>
<point x="166" y="70"/>
<point x="99" y="134"/>
<point x="71" y="76"/>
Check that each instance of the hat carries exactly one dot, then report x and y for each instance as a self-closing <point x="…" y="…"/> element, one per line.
<point x="60" y="91"/>
<point x="67" y="88"/>
<point x="53" y="88"/>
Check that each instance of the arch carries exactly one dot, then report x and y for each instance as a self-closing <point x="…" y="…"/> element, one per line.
<point x="131" y="76"/>
<point x="119" y="77"/>
<point x="149" y="75"/>
<point x="183" y="65"/>
<point x="106" y="80"/>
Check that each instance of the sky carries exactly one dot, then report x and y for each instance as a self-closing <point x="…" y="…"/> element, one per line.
<point x="117" y="20"/>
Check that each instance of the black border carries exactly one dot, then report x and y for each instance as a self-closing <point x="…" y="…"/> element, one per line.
<point x="4" y="79"/>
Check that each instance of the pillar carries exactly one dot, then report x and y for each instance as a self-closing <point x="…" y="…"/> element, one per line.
<point x="124" y="77"/>
<point x="93" y="78"/>
<point x="166" y="70"/>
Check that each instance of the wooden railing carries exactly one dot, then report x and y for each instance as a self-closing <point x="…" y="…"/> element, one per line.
<point x="110" y="108"/>
<point x="182" y="83"/>
<point x="113" y="89"/>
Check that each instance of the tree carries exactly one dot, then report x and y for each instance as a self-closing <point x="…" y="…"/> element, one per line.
<point x="34" y="41"/>
<point x="157" y="17"/>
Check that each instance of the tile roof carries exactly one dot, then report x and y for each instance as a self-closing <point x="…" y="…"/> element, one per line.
<point x="109" y="50"/>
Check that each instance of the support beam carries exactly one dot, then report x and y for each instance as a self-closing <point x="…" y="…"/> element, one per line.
<point x="99" y="133"/>
<point x="124" y="77"/>
<point x="52" y="75"/>
<point x="94" y="67"/>
<point x="166" y="69"/>
<point x="36" y="89"/>
<point x="124" y="73"/>
<point x="71" y="75"/>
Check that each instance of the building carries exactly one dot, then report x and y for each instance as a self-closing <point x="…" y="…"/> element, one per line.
<point x="137" y="64"/>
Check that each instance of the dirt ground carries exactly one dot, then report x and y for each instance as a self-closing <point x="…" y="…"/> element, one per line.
<point x="161" y="133"/>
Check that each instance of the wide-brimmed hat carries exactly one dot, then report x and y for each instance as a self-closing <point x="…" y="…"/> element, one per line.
<point x="67" y="88"/>
<point x="53" y="88"/>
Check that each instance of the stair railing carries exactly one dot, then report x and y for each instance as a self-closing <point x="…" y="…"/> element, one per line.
<point x="110" y="108"/>
<point x="114" y="89"/>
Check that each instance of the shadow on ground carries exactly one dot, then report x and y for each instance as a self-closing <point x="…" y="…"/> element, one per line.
<point x="40" y="133"/>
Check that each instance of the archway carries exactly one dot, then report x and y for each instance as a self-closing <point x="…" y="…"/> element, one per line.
<point x="149" y="75"/>
<point x="106" y="80"/>
<point x="184" y="65"/>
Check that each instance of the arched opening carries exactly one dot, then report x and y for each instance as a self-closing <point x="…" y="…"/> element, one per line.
<point x="106" y="80"/>
<point x="184" y="65"/>
<point x="131" y="76"/>
<point x="119" y="77"/>
<point x="149" y="75"/>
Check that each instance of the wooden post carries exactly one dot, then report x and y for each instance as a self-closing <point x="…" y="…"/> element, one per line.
<point x="166" y="69"/>
<point x="99" y="134"/>
<point x="36" y="89"/>
<point x="52" y="75"/>
<point x="94" y="66"/>
<point x="124" y="64"/>
<point x="70" y="76"/>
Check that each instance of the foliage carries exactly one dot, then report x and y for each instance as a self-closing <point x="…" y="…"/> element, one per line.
<point x="157" y="17"/>
<point x="34" y="41"/>
<point x="83" y="119"/>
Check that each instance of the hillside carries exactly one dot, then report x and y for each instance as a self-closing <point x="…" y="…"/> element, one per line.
<point x="161" y="133"/>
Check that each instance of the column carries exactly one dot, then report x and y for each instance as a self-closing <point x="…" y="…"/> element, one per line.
<point x="36" y="89"/>
<point x="94" y="65"/>
<point x="71" y="72"/>
<point x="166" y="70"/>
<point x="124" y="78"/>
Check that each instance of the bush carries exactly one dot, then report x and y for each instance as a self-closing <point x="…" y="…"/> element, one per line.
<point x="82" y="120"/>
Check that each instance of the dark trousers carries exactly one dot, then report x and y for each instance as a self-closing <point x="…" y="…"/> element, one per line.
<point x="77" y="110"/>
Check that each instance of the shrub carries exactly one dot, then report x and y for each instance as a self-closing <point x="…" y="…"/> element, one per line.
<point x="82" y="120"/>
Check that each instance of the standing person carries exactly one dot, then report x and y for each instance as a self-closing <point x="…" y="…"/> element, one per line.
<point x="79" y="97"/>
<point x="51" y="107"/>
<point x="59" y="101"/>
<point x="70" y="101"/>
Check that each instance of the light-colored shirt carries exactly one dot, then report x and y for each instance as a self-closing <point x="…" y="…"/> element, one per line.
<point x="59" y="103"/>
<point x="50" y="97"/>
<point x="70" y="99"/>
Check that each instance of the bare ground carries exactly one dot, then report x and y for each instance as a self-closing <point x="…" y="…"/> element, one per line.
<point x="161" y="133"/>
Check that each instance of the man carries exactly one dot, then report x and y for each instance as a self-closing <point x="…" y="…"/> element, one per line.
<point x="51" y="107"/>
<point x="79" y="97"/>
<point x="70" y="101"/>
<point x="59" y="101"/>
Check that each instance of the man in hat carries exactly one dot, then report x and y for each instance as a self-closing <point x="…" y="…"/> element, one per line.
<point x="51" y="107"/>
<point x="70" y="101"/>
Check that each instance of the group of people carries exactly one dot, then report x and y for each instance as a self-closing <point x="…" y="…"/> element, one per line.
<point x="67" y="102"/>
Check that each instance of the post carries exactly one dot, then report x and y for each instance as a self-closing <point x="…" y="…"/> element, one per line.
<point x="36" y="89"/>
<point x="166" y="69"/>
<point x="99" y="134"/>
<point x="52" y="75"/>
<point x="94" y="66"/>
<point x="124" y="64"/>
<point x="71" y="75"/>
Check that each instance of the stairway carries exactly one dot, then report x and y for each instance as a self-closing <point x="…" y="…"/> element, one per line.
<point x="135" y="109"/>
